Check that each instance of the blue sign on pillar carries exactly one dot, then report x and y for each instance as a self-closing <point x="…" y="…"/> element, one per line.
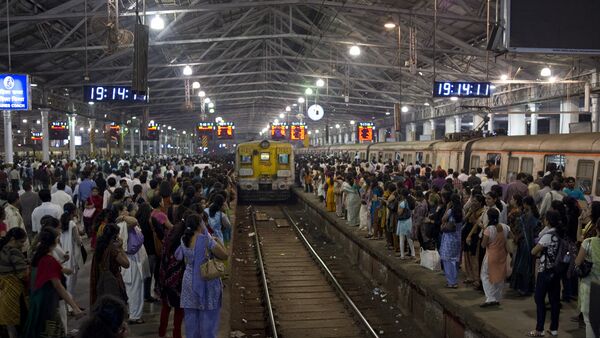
<point x="15" y="92"/>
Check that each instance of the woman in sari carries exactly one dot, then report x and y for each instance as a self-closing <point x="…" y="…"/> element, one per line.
<point x="13" y="272"/>
<point x="352" y="191"/>
<point x="109" y="258"/>
<point x="523" y="263"/>
<point x="329" y="194"/>
<point x="450" y="243"/>
<point x="170" y="279"/>
<point x="470" y="248"/>
<point x="493" y="269"/>
<point x="47" y="288"/>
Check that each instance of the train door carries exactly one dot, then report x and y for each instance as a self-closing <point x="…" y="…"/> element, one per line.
<point x="585" y="175"/>
<point x="555" y="162"/>
<point x="494" y="162"/>
<point x="419" y="157"/>
<point x="458" y="161"/>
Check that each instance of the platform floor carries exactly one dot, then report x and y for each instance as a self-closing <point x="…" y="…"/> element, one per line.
<point x="514" y="318"/>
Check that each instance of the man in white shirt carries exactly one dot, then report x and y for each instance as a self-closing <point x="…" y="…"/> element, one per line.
<point x="486" y="186"/>
<point x="47" y="208"/>
<point x="60" y="197"/>
<point x="463" y="177"/>
<point x="112" y="185"/>
<point x="67" y="189"/>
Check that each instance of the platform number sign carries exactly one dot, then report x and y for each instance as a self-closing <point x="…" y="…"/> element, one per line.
<point x="297" y="131"/>
<point x="225" y="130"/>
<point x="365" y="131"/>
<point x="58" y="130"/>
<point x="205" y="129"/>
<point x="279" y="131"/>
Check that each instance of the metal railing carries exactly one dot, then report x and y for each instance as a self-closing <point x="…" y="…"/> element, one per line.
<point x="330" y="275"/>
<point x="263" y="276"/>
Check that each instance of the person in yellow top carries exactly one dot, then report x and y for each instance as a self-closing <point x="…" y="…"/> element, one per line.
<point x="330" y="192"/>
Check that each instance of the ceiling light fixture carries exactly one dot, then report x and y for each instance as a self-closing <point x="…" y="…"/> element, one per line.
<point x="404" y="109"/>
<point x="202" y="94"/>
<point x="354" y="50"/>
<point x="352" y="122"/>
<point x="308" y="91"/>
<point x="207" y="100"/>
<point x="546" y="72"/>
<point x="503" y="77"/>
<point x="454" y="98"/>
<point x="320" y="83"/>
<point x="157" y="23"/>
<point x="281" y="115"/>
<point x="196" y="85"/>
<point x="288" y="108"/>
<point x="300" y="100"/>
<point x="187" y="71"/>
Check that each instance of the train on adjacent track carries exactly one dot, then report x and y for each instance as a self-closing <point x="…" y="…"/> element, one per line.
<point x="265" y="170"/>
<point x="576" y="155"/>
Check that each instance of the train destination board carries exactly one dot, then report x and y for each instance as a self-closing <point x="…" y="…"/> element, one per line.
<point x="365" y="131"/>
<point x="225" y="130"/>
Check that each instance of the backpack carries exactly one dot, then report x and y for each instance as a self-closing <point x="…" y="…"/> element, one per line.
<point x="565" y="255"/>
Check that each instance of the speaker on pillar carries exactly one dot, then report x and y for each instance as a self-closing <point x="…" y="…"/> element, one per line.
<point x="140" y="59"/>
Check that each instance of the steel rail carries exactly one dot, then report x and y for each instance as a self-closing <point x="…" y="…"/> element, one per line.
<point x="329" y="274"/>
<point x="264" y="277"/>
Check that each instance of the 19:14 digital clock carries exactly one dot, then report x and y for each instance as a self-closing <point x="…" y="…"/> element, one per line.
<point x="111" y="93"/>
<point x="461" y="89"/>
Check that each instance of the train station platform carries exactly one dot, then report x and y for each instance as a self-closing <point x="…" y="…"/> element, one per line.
<point x="421" y="293"/>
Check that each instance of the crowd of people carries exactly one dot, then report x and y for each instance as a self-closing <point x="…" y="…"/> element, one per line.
<point x="539" y="235"/>
<point x="144" y="225"/>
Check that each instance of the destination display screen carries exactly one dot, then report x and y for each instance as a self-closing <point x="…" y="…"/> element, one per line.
<point x="59" y="130"/>
<point x="279" y="131"/>
<point x="225" y="131"/>
<point x="365" y="131"/>
<point x="205" y="129"/>
<point x="297" y="132"/>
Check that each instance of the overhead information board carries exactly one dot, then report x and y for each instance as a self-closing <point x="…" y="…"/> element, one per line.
<point x="151" y="133"/>
<point x="297" y="131"/>
<point x="225" y="130"/>
<point x="36" y="136"/>
<point x="365" y="131"/>
<point x="15" y="92"/>
<point x="279" y="131"/>
<point x="98" y="93"/>
<point x="205" y="129"/>
<point x="114" y="130"/>
<point x="58" y="130"/>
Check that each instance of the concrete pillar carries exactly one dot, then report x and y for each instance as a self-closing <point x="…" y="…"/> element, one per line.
<point x="553" y="126"/>
<point x="533" y="125"/>
<point x="353" y="137"/>
<point x="432" y="125"/>
<point x="141" y="142"/>
<point x="160" y="142"/>
<point x="427" y="130"/>
<point x="595" y="111"/>
<point x="381" y="133"/>
<point x="92" y="133"/>
<point x="491" y="122"/>
<point x="132" y="141"/>
<point x="45" y="135"/>
<point x="8" y="139"/>
<point x="569" y="105"/>
<point x="516" y="122"/>
<point x="450" y="125"/>
<point x="458" y="123"/>
<point x="72" y="124"/>
<point x="411" y="131"/>
<point x="477" y="120"/>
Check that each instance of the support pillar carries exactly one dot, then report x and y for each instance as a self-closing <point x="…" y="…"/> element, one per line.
<point x="533" y="125"/>
<point x="72" y="124"/>
<point x="491" y="122"/>
<point x="569" y="106"/>
<point x="353" y="137"/>
<point x="516" y="122"/>
<point x="92" y="131"/>
<point x="450" y="125"/>
<point x="427" y="130"/>
<point x="595" y="111"/>
<point x="381" y="133"/>
<point x="8" y="139"/>
<point x="132" y="140"/>
<point x="45" y="135"/>
<point x="160" y="142"/>
<point x="411" y="131"/>
<point x="458" y="123"/>
<point x="553" y="126"/>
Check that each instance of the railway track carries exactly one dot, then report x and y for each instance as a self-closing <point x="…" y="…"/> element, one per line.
<point x="302" y="289"/>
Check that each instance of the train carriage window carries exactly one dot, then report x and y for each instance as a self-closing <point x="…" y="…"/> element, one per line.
<point x="513" y="168"/>
<point x="427" y="158"/>
<point x="494" y="158"/>
<point x="419" y="157"/>
<point x="475" y="161"/>
<point x="265" y="156"/>
<point x="527" y="165"/>
<point x="246" y="159"/>
<point x="398" y="156"/>
<point x="555" y="162"/>
<point x="585" y="175"/>
<point x="284" y="159"/>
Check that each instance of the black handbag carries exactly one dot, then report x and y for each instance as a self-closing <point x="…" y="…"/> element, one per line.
<point x="584" y="269"/>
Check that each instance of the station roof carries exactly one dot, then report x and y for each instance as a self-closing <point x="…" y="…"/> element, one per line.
<point x="254" y="58"/>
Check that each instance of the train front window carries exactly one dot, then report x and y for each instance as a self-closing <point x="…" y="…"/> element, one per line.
<point x="265" y="156"/>
<point x="555" y="162"/>
<point x="284" y="159"/>
<point x="246" y="159"/>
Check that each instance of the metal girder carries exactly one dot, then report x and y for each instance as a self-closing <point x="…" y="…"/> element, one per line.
<point x="237" y="5"/>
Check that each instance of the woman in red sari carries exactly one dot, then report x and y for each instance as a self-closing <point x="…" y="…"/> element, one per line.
<point x="47" y="288"/>
<point x="94" y="202"/>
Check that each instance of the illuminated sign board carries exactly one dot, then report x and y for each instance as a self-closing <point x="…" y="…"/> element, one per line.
<point x="225" y="131"/>
<point x="58" y="131"/>
<point x="114" y="130"/>
<point x="365" y="131"/>
<point x="151" y="132"/>
<point x="297" y="131"/>
<point x="36" y="136"/>
<point x="205" y="129"/>
<point x="15" y="92"/>
<point x="111" y="94"/>
<point x="279" y="131"/>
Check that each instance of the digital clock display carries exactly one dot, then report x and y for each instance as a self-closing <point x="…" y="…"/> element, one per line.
<point x="111" y="94"/>
<point x="461" y="89"/>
